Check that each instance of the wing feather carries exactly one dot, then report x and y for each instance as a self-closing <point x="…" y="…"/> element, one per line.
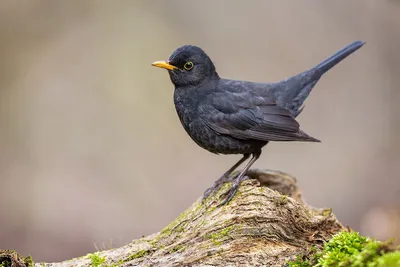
<point x="259" y="119"/>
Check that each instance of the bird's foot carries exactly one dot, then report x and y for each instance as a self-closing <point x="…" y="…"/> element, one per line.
<point x="217" y="185"/>
<point x="229" y="194"/>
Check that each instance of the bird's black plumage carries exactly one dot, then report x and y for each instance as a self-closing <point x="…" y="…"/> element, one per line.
<point x="239" y="117"/>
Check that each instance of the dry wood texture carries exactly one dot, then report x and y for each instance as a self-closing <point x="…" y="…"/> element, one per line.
<point x="266" y="224"/>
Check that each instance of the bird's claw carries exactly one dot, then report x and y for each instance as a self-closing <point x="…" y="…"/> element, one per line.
<point x="212" y="190"/>
<point x="229" y="194"/>
<point x="217" y="185"/>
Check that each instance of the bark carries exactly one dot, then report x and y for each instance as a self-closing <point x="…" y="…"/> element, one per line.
<point x="266" y="224"/>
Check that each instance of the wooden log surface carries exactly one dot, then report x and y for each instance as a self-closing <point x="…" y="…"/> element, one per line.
<point x="266" y="224"/>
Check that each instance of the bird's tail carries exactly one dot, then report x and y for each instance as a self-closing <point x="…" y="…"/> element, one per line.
<point x="300" y="86"/>
<point x="330" y="62"/>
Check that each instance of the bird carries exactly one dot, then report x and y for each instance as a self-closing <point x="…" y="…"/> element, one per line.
<point x="227" y="116"/>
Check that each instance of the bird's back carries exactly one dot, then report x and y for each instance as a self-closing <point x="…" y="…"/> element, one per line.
<point x="288" y="94"/>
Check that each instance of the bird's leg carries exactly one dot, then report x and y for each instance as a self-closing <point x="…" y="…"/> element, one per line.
<point x="232" y="191"/>
<point x="224" y="178"/>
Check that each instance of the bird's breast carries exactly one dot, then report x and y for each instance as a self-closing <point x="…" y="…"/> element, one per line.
<point x="186" y="110"/>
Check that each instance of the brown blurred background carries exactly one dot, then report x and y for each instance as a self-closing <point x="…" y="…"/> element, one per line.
<point x="92" y="154"/>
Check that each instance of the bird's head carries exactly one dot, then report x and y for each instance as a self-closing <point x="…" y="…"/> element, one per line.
<point x="188" y="66"/>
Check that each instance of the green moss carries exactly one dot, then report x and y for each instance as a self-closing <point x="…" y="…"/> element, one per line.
<point x="96" y="260"/>
<point x="177" y="248"/>
<point x="29" y="261"/>
<point x="211" y="209"/>
<point x="199" y="205"/>
<point x="300" y="262"/>
<point x="177" y="226"/>
<point x="216" y="238"/>
<point x="389" y="260"/>
<point x="349" y="249"/>
<point x="326" y="212"/>
<point x="153" y="243"/>
<point x="166" y="231"/>
<point x="179" y="229"/>
<point x="281" y="200"/>
<point x="341" y="248"/>
<point x="139" y="254"/>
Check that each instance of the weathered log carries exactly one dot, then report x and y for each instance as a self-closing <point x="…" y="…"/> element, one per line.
<point x="266" y="224"/>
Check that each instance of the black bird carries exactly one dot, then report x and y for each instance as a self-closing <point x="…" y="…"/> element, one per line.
<point x="239" y="117"/>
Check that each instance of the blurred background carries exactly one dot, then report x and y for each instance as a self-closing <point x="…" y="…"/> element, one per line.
<point x="92" y="153"/>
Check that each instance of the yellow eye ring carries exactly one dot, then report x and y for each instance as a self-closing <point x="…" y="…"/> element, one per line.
<point x="188" y="65"/>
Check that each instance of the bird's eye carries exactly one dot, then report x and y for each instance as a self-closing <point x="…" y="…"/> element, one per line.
<point x="188" y="65"/>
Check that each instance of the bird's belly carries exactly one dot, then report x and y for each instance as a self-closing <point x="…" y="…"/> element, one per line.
<point x="221" y="144"/>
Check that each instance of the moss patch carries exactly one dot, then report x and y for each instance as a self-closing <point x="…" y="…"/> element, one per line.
<point x="281" y="200"/>
<point x="139" y="254"/>
<point x="216" y="238"/>
<point x="349" y="249"/>
<point x="177" y="248"/>
<point x="178" y="225"/>
<point x="96" y="260"/>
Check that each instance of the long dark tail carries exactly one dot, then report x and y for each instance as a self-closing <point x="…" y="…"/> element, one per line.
<point x="328" y="63"/>
<point x="300" y="86"/>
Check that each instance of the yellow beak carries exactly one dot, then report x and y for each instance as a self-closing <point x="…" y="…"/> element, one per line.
<point x="164" y="65"/>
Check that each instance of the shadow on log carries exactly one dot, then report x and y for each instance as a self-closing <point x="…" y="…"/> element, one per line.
<point x="265" y="224"/>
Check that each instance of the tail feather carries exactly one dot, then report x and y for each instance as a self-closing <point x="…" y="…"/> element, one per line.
<point x="328" y="63"/>
<point x="299" y="87"/>
<point x="313" y="77"/>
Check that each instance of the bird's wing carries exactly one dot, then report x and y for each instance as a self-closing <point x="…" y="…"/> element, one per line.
<point x="249" y="116"/>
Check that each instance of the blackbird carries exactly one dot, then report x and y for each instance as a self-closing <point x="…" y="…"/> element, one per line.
<point x="239" y="117"/>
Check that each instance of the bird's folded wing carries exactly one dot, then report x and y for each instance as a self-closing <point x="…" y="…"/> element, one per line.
<point x="257" y="119"/>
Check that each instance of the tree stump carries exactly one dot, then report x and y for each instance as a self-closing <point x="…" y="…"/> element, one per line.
<point x="265" y="224"/>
